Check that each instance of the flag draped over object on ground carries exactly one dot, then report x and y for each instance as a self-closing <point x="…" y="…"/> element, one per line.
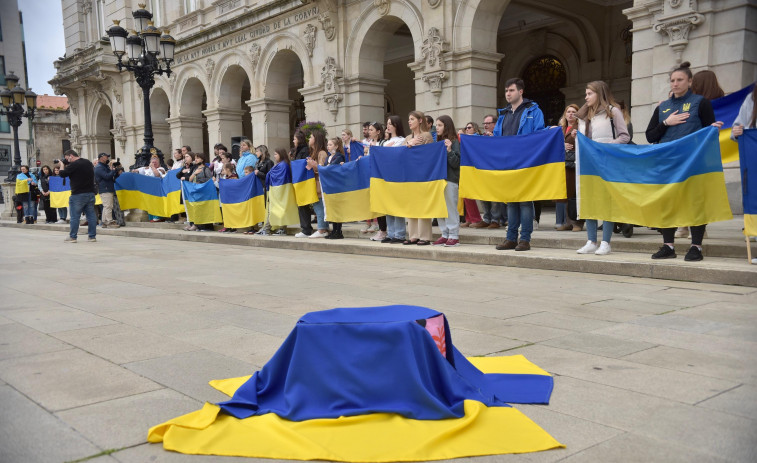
<point x="303" y="181"/>
<point x="22" y="186"/>
<point x="748" y="162"/>
<point x="674" y="184"/>
<point x="282" y="206"/>
<point x="400" y="392"/>
<point x="60" y="191"/>
<point x="243" y="201"/>
<point x="346" y="191"/>
<point x="517" y="168"/>
<point x="409" y="181"/>
<point x="201" y="201"/>
<point x="157" y="196"/>
<point x="356" y="150"/>
<point x="726" y="109"/>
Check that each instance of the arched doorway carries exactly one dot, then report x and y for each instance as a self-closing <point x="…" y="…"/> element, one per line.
<point x="231" y="118"/>
<point x="191" y="127"/>
<point x="543" y="79"/>
<point x="159" y="113"/>
<point x="103" y="139"/>
<point x="285" y="104"/>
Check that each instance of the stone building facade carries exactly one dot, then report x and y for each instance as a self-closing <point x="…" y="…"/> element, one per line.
<point x="255" y="68"/>
<point x="51" y="126"/>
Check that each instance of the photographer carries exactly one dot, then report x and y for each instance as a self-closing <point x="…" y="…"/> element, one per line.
<point x="105" y="178"/>
<point x="82" y="177"/>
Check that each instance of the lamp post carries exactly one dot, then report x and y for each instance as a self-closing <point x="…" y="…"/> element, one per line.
<point x="13" y="100"/>
<point x="142" y="48"/>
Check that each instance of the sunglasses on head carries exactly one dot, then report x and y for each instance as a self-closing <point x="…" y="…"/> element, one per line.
<point x="469" y="128"/>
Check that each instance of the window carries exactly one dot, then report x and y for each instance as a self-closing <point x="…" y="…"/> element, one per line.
<point x="2" y="70"/>
<point x="5" y="127"/>
<point x="189" y="6"/>
<point x="1" y="31"/>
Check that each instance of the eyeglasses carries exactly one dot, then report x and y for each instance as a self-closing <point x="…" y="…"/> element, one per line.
<point x="488" y="123"/>
<point x="470" y="127"/>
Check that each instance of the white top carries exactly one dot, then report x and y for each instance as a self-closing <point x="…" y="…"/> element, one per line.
<point x="395" y="141"/>
<point x="178" y="164"/>
<point x="148" y="171"/>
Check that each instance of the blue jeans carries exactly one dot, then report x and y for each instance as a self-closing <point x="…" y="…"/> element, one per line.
<point x="395" y="227"/>
<point x="561" y="216"/>
<point x="591" y="230"/>
<point x="320" y="215"/>
<point x="29" y="208"/>
<point x="520" y="215"/>
<point x="62" y="213"/>
<point x="78" y="203"/>
<point x="492" y="212"/>
<point x="450" y="225"/>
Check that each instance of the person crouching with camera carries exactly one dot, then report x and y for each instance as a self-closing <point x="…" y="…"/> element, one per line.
<point x="105" y="176"/>
<point x="81" y="174"/>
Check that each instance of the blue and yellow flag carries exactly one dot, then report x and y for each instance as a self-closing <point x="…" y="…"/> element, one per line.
<point x="243" y="201"/>
<point x="346" y="191"/>
<point x="517" y="168"/>
<point x="60" y="191"/>
<point x="748" y="161"/>
<point x="419" y="400"/>
<point x="726" y="109"/>
<point x="355" y="152"/>
<point x="674" y="184"/>
<point x="282" y="205"/>
<point x="409" y="181"/>
<point x="157" y="196"/>
<point x="201" y="201"/>
<point x="22" y="185"/>
<point x="303" y="181"/>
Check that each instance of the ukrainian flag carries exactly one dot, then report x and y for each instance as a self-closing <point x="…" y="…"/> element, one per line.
<point x="60" y="191"/>
<point x="22" y="185"/>
<point x="748" y="161"/>
<point x="243" y="201"/>
<point x="517" y="168"/>
<point x="346" y="191"/>
<point x="157" y="196"/>
<point x="409" y="181"/>
<point x="419" y="400"/>
<point x="356" y="151"/>
<point x="674" y="184"/>
<point x="201" y="202"/>
<point x="303" y="181"/>
<point x="282" y="206"/>
<point x="726" y="110"/>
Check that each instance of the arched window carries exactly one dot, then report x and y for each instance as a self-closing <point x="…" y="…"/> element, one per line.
<point x="543" y="79"/>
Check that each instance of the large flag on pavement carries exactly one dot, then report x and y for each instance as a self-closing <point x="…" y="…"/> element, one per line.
<point x="726" y="109"/>
<point x="748" y="162"/>
<point x="419" y="400"/>
<point x="303" y="181"/>
<point x="282" y="206"/>
<point x="346" y="191"/>
<point x="201" y="201"/>
<point x="157" y="196"/>
<point x="243" y="201"/>
<point x="409" y="181"/>
<point x="674" y="184"/>
<point x="517" y="168"/>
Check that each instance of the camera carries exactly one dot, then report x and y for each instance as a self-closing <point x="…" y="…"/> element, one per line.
<point x="116" y="165"/>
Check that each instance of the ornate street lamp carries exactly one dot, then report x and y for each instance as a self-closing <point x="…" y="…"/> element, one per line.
<point x="147" y="53"/>
<point x="13" y="99"/>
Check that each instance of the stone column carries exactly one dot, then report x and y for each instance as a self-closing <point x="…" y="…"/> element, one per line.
<point x="471" y="91"/>
<point x="185" y="130"/>
<point x="223" y="124"/>
<point x="270" y="120"/>
<point x="363" y="101"/>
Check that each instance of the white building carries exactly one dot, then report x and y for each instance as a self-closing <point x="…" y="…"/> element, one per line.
<point x="257" y="67"/>
<point x="12" y="59"/>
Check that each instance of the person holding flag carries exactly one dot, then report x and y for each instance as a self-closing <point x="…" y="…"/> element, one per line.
<point x="747" y="115"/>
<point x="25" y="193"/>
<point x="419" y="230"/>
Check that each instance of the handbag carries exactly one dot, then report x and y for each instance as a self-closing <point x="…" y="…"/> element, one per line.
<point x="570" y="159"/>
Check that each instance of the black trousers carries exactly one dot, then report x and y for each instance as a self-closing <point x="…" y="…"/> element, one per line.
<point x="697" y="234"/>
<point x="381" y="222"/>
<point x="305" y="225"/>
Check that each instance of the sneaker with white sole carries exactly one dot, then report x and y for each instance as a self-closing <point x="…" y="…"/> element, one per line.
<point x="61" y="221"/>
<point x="319" y="234"/>
<point x="588" y="248"/>
<point x="380" y="235"/>
<point x="301" y="235"/>
<point x="280" y="232"/>
<point x="69" y="240"/>
<point x="604" y="249"/>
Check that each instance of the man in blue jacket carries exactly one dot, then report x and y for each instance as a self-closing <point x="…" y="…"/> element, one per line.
<point x="520" y="117"/>
<point x="105" y="177"/>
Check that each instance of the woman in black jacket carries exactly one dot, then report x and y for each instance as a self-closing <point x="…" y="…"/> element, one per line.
<point x="265" y="163"/>
<point x="300" y="150"/>
<point x="51" y="214"/>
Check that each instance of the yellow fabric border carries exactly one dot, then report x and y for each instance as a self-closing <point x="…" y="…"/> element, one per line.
<point x="155" y="205"/>
<point x="750" y="224"/>
<point x="202" y="212"/>
<point x="282" y="206"/>
<point x="699" y="200"/>
<point x="349" y="206"/>
<point x="244" y="214"/>
<point x="305" y="192"/>
<point x="513" y="364"/>
<point x="729" y="149"/>
<point x="419" y="200"/>
<point x="543" y="182"/>
<point x="22" y="186"/>
<point x="59" y="199"/>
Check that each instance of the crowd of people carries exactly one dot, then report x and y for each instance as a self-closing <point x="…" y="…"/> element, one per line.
<point x="600" y="118"/>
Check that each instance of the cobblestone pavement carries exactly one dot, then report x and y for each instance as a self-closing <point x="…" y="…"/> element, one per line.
<point x="100" y="341"/>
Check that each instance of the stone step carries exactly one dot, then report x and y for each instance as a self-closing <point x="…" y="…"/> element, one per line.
<point x="560" y="256"/>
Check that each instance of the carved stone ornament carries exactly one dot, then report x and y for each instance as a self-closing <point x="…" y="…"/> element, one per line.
<point x="140" y="95"/>
<point x="434" y="3"/>
<point x="331" y="92"/>
<point x="75" y="137"/>
<point x="382" y="6"/>
<point x="172" y="82"/>
<point x="676" y="22"/>
<point x="72" y="105"/>
<point x="332" y="101"/>
<point x="255" y="55"/>
<point x="431" y="51"/>
<point x="209" y="66"/>
<point x="329" y="30"/>
<point x="309" y="34"/>
<point x="119" y="129"/>
<point x="434" y="81"/>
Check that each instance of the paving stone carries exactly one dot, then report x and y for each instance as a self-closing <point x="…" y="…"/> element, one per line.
<point x="18" y="340"/>
<point x="563" y="321"/>
<point x="53" y="319"/>
<point x="505" y="328"/>
<point x="154" y="453"/>
<point x="680" y="323"/>
<point x="604" y="346"/>
<point x="633" y="448"/>
<point x="70" y="378"/>
<point x="124" y="422"/>
<point x="263" y="321"/>
<point x="165" y="320"/>
<point x="738" y="401"/>
<point x="253" y="347"/>
<point x="479" y="344"/>
<point x="120" y="343"/>
<point x="29" y="433"/>
<point x="189" y="372"/>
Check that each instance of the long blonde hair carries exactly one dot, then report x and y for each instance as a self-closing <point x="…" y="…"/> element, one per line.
<point x="605" y="101"/>
<point x="563" y="120"/>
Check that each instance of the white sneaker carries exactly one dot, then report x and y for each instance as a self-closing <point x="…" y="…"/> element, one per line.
<point x="536" y="225"/>
<point x="301" y="235"/>
<point x="61" y="221"/>
<point x="588" y="248"/>
<point x="604" y="249"/>
<point x="372" y="228"/>
<point x="378" y="236"/>
<point x="318" y="234"/>
<point x="754" y="260"/>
